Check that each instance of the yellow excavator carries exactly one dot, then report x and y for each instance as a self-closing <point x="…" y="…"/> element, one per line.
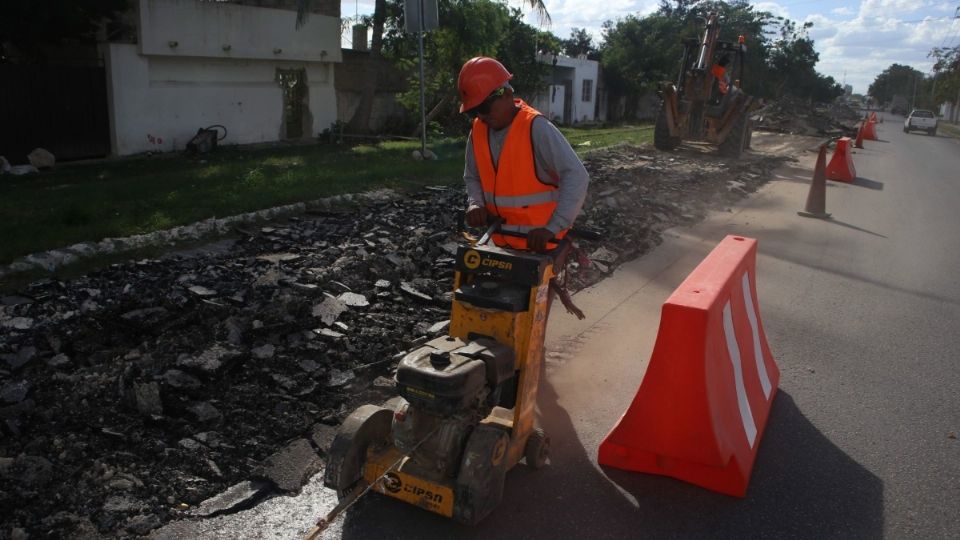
<point x="704" y="104"/>
<point x="466" y="408"/>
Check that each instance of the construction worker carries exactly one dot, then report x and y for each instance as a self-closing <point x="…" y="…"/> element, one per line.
<point x="721" y="77"/>
<point x="518" y="166"/>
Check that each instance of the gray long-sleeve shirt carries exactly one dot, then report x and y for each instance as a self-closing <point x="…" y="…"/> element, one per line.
<point x="555" y="161"/>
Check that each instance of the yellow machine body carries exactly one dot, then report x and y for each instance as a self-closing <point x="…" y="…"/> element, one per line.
<point x="395" y="475"/>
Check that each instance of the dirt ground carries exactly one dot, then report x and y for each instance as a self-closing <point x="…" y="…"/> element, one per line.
<point x="132" y="394"/>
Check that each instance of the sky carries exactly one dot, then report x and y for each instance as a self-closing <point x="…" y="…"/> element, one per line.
<point x="856" y="39"/>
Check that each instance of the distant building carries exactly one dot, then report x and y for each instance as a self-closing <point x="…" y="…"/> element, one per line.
<point x="572" y="95"/>
<point x="847" y="90"/>
<point x="246" y="67"/>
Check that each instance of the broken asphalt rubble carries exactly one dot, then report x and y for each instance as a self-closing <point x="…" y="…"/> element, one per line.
<point x="795" y="116"/>
<point x="197" y="383"/>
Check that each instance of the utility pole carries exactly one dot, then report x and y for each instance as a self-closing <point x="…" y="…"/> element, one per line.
<point x="421" y="16"/>
<point x="423" y="117"/>
<point x="913" y="100"/>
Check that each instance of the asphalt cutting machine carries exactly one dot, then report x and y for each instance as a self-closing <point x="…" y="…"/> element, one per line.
<point x="466" y="413"/>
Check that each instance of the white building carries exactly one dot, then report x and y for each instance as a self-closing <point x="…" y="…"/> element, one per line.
<point x="201" y="63"/>
<point x="571" y="95"/>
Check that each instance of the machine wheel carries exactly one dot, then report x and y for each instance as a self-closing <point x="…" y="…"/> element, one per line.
<point x="661" y="132"/>
<point x="733" y="145"/>
<point x="537" y="449"/>
<point x="367" y="425"/>
<point x="483" y="470"/>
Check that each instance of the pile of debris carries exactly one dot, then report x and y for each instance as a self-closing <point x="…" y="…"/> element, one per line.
<point x="38" y="159"/>
<point x="802" y="117"/>
<point x="131" y="395"/>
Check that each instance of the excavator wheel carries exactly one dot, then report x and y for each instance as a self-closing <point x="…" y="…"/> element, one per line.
<point x="537" y="449"/>
<point x="366" y="426"/>
<point x="661" y="132"/>
<point x="734" y="144"/>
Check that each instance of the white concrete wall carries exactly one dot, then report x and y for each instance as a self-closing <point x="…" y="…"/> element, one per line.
<point x="218" y="30"/>
<point x="580" y="111"/>
<point x="157" y="103"/>
<point x="203" y="63"/>
<point x="550" y="103"/>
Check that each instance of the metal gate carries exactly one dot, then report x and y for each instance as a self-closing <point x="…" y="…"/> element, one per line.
<point x="60" y="108"/>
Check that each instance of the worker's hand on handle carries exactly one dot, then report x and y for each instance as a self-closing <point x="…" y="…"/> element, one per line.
<point x="537" y="239"/>
<point x="476" y="216"/>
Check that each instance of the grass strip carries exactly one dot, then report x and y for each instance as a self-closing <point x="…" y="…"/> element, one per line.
<point x="122" y="197"/>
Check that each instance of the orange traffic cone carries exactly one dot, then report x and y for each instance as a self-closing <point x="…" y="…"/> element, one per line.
<point x="873" y="116"/>
<point x="870" y="131"/>
<point x="701" y="409"/>
<point x="817" y="196"/>
<point x="841" y="164"/>
<point x="859" y="142"/>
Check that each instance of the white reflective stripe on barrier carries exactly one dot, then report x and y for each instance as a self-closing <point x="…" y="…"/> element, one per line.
<point x="746" y="415"/>
<point x="757" y="349"/>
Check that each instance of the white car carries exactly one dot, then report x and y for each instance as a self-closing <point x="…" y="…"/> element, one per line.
<point x="922" y="120"/>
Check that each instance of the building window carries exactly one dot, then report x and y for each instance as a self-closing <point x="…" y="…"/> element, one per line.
<point x="587" y="90"/>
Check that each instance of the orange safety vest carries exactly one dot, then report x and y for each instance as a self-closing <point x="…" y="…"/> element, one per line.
<point x="719" y="73"/>
<point x="512" y="190"/>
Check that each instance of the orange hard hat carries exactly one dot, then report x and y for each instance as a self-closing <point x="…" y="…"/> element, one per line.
<point x="479" y="77"/>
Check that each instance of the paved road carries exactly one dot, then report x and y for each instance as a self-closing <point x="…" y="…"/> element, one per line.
<point x="862" y="314"/>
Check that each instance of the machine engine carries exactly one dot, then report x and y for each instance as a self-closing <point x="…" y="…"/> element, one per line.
<point x="447" y="386"/>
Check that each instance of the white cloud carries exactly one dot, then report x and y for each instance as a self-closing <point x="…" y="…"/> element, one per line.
<point x="859" y="49"/>
<point x="869" y="8"/>
<point x="569" y="14"/>
<point x="843" y="11"/>
<point x="773" y="8"/>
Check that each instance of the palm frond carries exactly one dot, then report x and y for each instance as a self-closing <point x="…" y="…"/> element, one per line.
<point x="541" y="9"/>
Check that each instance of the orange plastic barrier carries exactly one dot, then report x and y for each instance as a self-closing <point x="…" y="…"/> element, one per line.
<point x="859" y="142"/>
<point x="873" y="116"/>
<point x="841" y="164"/>
<point x="700" y="411"/>
<point x="870" y="131"/>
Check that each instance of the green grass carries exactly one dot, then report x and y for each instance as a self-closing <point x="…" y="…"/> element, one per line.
<point x="952" y="130"/>
<point x="584" y="140"/>
<point x="111" y="198"/>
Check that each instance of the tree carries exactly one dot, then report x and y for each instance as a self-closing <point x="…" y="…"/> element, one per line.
<point x="360" y="123"/>
<point x="468" y="28"/>
<point x="547" y="43"/>
<point x="897" y="80"/>
<point x="639" y="52"/>
<point x="27" y="27"/>
<point x="580" y="42"/>
<point x="946" y="78"/>
<point x="792" y="63"/>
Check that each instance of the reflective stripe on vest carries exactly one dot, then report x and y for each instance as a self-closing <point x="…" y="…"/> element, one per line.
<point x="512" y="190"/>
<point x="522" y="200"/>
